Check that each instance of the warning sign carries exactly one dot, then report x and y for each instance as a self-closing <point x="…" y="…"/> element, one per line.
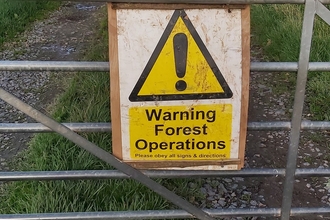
<point x="201" y="132"/>
<point x="180" y="68"/>
<point x="179" y="85"/>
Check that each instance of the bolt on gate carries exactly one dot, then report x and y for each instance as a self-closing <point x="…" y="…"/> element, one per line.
<point x="46" y="124"/>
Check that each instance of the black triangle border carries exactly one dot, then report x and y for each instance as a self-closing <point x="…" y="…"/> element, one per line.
<point x="171" y="97"/>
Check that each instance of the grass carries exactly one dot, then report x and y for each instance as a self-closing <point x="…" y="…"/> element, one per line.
<point x="86" y="99"/>
<point x="16" y="16"/>
<point x="273" y="26"/>
<point x="277" y="30"/>
<point x="318" y="96"/>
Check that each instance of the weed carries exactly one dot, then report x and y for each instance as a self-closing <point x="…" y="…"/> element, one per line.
<point x="246" y="197"/>
<point x="316" y="137"/>
<point x="309" y="159"/>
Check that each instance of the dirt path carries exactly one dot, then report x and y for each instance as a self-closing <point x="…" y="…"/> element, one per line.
<point x="271" y="99"/>
<point x="65" y="35"/>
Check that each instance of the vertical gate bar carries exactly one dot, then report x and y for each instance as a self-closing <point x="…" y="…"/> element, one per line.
<point x="103" y="155"/>
<point x="323" y="12"/>
<point x="306" y="38"/>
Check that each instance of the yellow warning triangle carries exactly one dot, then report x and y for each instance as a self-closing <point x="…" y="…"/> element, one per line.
<point x="180" y="68"/>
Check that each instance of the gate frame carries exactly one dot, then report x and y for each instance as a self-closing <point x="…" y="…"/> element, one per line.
<point x="312" y="8"/>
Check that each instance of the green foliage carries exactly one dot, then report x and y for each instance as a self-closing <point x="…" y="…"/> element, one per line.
<point x="318" y="97"/>
<point x="15" y="15"/>
<point x="277" y="30"/>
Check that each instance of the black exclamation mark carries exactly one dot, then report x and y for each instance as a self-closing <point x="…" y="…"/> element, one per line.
<point x="180" y="44"/>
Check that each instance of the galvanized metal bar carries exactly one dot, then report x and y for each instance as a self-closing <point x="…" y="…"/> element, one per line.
<point x="323" y="12"/>
<point x="106" y="127"/>
<point x="75" y="66"/>
<point x="286" y="125"/>
<point x="315" y="125"/>
<point x="306" y="40"/>
<point x="68" y="66"/>
<point x="159" y="174"/>
<point x="40" y="128"/>
<point x="148" y="214"/>
<point x="287" y="66"/>
<point x="314" y="172"/>
<point x="273" y="66"/>
<point x="269" y="126"/>
<point x="312" y="211"/>
<point x="161" y="214"/>
<point x="102" y="154"/>
<point x="114" y="174"/>
<point x="206" y="1"/>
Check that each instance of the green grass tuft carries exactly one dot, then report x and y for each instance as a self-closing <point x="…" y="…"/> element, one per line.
<point x="277" y="30"/>
<point x="86" y="99"/>
<point x="318" y="97"/>
<point x="15" y="16"/>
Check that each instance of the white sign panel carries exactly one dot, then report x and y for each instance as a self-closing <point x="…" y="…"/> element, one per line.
<point x="180" y="83"/>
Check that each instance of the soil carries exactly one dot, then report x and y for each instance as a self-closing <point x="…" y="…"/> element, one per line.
<point x="68" y="33"/>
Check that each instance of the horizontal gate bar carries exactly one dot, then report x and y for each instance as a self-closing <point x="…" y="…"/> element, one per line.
<point x="207" y="1"/>
<point x="148" y="214"/>
<point x="69" y="66"/>
<point x="161" y="214"/>
<point x="283" y="125"/>
<point x="40" y="128"/>
<point x="106" y="127"/>
<point x="115" y="174"/>
<point x="104" y="66"/>
<point x="287" y="66"/>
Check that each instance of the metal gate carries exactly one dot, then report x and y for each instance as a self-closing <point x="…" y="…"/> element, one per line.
<point x="312" y="8"/>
